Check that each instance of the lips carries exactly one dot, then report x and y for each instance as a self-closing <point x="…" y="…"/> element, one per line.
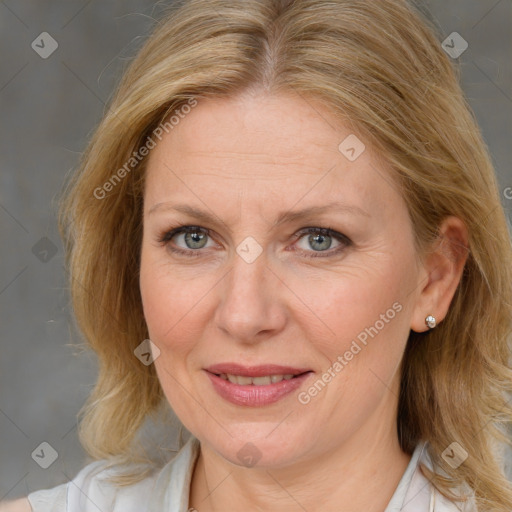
<point x="237" y="390"/>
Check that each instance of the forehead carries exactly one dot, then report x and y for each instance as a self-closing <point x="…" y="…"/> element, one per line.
<point x="259" y="150"/>
<point x="267" y="128"/>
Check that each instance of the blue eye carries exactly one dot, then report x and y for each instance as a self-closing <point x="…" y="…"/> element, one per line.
<point x="320" y="239"/>
<point x="195" y="238"/>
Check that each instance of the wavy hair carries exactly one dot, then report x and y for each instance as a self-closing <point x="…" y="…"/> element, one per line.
<point x="378" y="65"/>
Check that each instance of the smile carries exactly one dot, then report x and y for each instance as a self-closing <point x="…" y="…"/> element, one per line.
<point x="257" y="391"/>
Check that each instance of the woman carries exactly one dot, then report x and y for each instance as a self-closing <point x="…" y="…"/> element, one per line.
<point x="287" y="228"/>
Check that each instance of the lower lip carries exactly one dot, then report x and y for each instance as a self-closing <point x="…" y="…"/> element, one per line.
<point x="255" y="396"/>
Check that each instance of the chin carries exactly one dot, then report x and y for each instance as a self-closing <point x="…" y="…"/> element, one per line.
<point x="250" y="445"/>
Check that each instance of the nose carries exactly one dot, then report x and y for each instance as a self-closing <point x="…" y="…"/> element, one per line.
<point x="252" y="306"/>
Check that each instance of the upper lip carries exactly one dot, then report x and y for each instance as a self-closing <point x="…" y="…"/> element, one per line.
<point x="255" y="371"/>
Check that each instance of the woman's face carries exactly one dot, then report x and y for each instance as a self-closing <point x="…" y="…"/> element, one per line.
<point x="252" y="291"/>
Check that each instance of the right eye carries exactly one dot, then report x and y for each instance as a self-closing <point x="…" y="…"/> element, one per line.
<point x="194" y="238"/>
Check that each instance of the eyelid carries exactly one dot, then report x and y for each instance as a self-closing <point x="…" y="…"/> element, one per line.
<point x="322" y="231"/>
<point x="168" y="234"/>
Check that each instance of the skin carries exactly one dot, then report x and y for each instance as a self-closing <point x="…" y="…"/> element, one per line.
<point x="244" y="160"/>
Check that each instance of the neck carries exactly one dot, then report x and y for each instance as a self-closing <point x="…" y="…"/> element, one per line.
<point x="361" y="473"/>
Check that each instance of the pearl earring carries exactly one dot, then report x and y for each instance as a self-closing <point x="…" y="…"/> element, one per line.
<point x="430" y="321"/>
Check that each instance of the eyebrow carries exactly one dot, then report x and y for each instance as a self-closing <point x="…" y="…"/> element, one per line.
<point x="283" y="217"/>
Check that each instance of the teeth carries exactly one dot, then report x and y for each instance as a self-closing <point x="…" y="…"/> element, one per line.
<point x="256" y="381"/>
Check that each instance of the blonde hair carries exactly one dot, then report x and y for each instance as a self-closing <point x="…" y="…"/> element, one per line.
<point x="378" y="65"/>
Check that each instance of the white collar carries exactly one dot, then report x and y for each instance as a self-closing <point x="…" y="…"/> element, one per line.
<point x="415" y="491"/>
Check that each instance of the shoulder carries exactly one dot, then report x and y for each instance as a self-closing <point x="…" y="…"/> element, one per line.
<point x="90" y="491"/>
<point x="19" y="505"/>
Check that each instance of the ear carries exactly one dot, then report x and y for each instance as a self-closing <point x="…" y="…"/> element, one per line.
<point x="442" y="271"/>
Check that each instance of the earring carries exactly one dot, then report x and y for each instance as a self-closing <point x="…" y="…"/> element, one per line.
<point x="430" y="321"/>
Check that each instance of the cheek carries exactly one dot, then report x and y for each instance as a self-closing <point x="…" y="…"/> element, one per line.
<point x="170" y="303"/>
<point x="170" y="306"/>
<point x="343" y="306"/>
<point x="360" y="341"/>
<point x="360" y="329"/>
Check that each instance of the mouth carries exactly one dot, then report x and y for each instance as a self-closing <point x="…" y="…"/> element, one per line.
<point x="255" y="386"/>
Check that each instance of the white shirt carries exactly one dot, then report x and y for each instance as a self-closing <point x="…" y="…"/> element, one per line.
<point x="168" y="489"/>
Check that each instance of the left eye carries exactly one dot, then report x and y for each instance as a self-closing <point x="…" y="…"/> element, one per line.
<point x="195" y="238"/>
<point x="320" y="239"/>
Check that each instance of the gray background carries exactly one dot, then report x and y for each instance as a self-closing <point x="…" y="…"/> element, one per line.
<point x="49" y="108"/>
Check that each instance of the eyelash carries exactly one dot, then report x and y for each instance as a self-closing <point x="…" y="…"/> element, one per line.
<point x="165" y="237"/>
